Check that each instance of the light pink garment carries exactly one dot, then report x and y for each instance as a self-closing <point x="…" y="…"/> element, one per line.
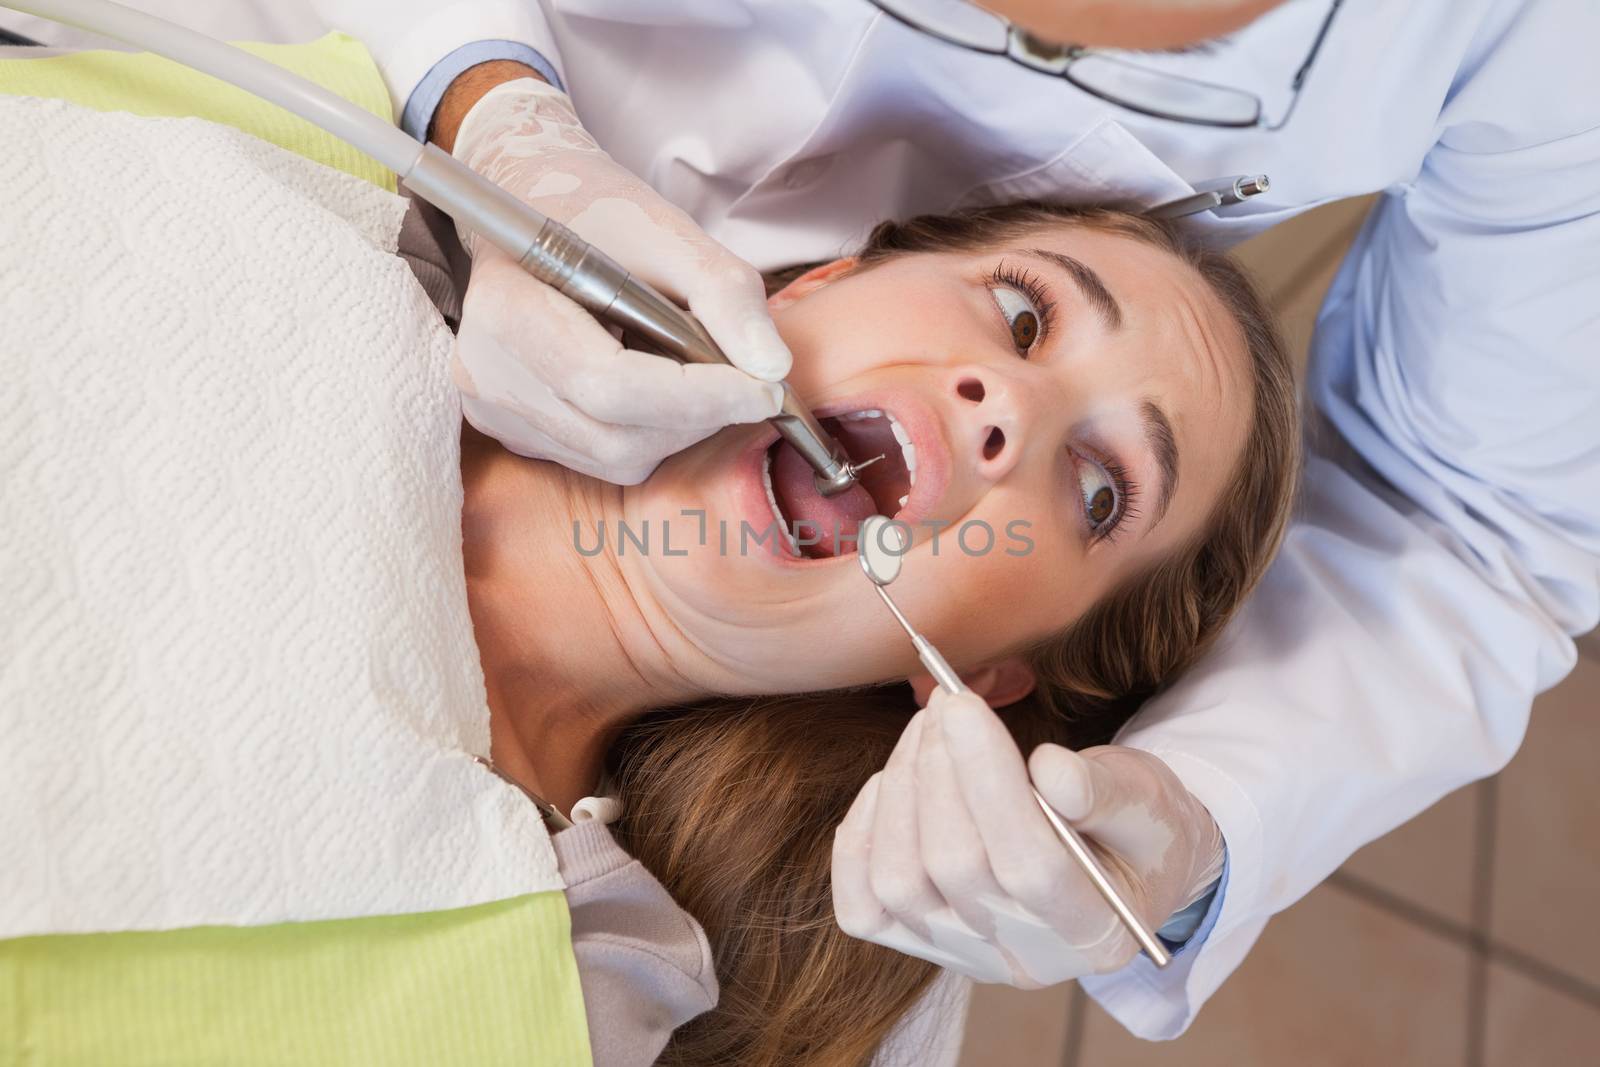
<point x="644" y="964"/>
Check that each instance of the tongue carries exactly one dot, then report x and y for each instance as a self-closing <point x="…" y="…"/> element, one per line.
<point x="827" y="520"/>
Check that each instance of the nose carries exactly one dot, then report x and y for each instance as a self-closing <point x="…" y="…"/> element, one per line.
<point x="989" y="420"/>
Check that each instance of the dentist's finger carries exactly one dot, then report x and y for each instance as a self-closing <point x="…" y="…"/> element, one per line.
<point x="1120" y="796"/>
<point x="730" y="300"/>
<point x="899" y="881"/>
<point x="530" y="421"/>
<point x="515" y="322"/>
<point x="1027" y="859"/>
<point x="855" y="908"/>
<point x="952" y="849"/>
<point x="639" y="389"/>
<point x="618" y="454"/>
<point x="952" y="946"/>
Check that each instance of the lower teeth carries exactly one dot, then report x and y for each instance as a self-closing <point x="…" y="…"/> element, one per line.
<point x="772" y="499"/>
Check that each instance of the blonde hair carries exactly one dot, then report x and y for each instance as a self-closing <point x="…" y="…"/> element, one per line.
<point x="732" y="803"/>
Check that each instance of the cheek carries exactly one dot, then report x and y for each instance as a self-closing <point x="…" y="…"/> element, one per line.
<point x="861" y="324"/>
<point x="1011" y="573"/>
<point x="830" y="344"/>
<point x="691" y="510"/>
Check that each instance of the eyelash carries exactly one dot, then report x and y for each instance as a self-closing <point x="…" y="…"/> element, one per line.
<point x="1038" y="296"/>
<point x="1028" y="284"/>
<point x="1127" y="494"/>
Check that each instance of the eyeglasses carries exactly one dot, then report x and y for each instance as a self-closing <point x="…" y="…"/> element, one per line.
<point x="1159" y="94"/>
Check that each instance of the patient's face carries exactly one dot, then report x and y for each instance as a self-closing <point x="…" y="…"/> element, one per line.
<point x="1048" y="390"/>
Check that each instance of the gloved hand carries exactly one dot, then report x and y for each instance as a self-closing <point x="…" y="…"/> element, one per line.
<point x="946" y="856"/>
<point x="537" y="371"/>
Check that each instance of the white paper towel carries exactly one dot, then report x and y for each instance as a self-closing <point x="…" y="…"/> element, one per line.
<point x="237" y="676"/>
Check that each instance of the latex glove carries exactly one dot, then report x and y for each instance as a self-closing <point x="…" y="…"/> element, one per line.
<point x="538" y="372"/>
<point x="946" y="856"/>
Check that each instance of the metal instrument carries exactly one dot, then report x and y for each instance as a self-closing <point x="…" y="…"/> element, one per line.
<point x="578" y="270"/>
<point x="542" y="246"/>
<point x="1223" y="192"/>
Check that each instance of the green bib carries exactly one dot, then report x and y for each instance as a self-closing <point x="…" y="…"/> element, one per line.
<point x="478" y="986"/>
<point x="149" y="85"/>
<point x="470" y="987"/>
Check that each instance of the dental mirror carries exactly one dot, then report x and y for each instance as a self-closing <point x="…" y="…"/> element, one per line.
<point x="881" y="545"/>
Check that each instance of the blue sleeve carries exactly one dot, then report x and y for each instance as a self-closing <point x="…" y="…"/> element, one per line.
<point x="424" y="99"/>
<point x="1190" y="926"/>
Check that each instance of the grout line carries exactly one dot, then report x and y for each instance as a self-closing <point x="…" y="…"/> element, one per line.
<point x="1483" y="873"/>
<point x="1077" y="1015"/>
<point x="1516" y="959"/>
<point x="1477" y="1017"/>
<point x="1482" y="917"/>
<point x="1545" y="974"/>
<point x="1416" y="914"/>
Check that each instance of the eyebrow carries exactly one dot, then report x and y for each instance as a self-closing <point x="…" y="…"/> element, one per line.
<point x="1158" y="434"/>
<point x="1089" y="283"/>
<point x="1163" y="443"/>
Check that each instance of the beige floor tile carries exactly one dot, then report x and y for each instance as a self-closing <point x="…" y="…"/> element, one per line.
<point x="1017" y="1029"/>
<point x="1278" y="256"/>
<point x="1297" y="309"/>
<point x="1547" y="836"/>
<point x="1532" y="1025"/>
<point x="1324" y="986"/>
<point x="1430" y="860"/>
<point x="1295" y="262"/>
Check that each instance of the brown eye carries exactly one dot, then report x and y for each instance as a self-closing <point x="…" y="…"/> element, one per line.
<point x="1024" y="330"/>
<point x="1101" y="505"/>
<point x="1105" y="494"/>
<point x="1020" y="317"/>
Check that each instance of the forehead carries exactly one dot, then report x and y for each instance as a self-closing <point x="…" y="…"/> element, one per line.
<point x="1164" y="300"/>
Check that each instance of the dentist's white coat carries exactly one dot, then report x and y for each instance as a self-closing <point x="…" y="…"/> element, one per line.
<point x="1450" y="537"/>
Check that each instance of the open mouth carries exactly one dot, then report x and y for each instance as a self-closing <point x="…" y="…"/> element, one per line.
<point x="820" y="527"/>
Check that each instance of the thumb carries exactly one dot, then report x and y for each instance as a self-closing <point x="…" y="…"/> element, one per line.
<point x="1069" y="783"/>
<point x="1111" y="794"/>
<point x="732" y="305"/>
<point x="1132" y="804"/>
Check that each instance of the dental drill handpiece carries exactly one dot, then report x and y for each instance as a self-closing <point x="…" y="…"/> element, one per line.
<point x="540" y="245"/>
<point x="578" y="270"/>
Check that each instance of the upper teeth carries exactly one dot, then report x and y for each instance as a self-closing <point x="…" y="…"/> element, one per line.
<point x="908" y="451"/>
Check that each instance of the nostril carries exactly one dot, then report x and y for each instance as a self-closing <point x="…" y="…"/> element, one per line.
<point x="970" y="389"/>
<point x="994" y="444"/>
